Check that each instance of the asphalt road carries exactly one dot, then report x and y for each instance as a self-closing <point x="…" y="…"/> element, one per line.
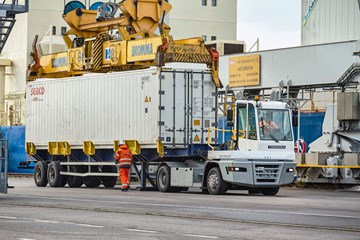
<point x="29" y="212"/>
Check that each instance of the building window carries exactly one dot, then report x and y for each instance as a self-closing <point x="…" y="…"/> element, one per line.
<point x="213" y="38"/>
<point x="213" y="3"/>
<point x="204" y="37"/>
<point x="204" y="2"/>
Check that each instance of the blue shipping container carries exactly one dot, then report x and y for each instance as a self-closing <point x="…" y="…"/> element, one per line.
<point x="15" y="136"/>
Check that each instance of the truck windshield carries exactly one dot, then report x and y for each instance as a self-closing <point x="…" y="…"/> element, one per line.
<point x="274" y="124"/>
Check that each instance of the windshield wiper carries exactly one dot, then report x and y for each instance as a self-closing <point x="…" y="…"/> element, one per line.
<point x="269" y="132"/>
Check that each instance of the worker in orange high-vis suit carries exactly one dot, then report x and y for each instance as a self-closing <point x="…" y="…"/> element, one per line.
<point x="123" y="159"/>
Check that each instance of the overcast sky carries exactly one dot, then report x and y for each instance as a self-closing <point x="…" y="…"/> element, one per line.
<point x="277" y="23"/>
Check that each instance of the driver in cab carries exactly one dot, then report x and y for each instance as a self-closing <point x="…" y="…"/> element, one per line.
<point x="268" y="124"/>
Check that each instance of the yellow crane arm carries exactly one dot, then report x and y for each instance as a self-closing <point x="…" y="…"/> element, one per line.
<point x="135" y="45"/>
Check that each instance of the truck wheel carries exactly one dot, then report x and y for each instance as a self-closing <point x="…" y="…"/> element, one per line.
<point x="53" y="175"/>
<point x="75" y="181"/>
<point x="40" y="174"/>
<point x="109" y="182"/>
<point x="92" y="181"/>
<point x="215" y="182"/>
<point x="163" y="179"/>
<point x="270" y="191"/>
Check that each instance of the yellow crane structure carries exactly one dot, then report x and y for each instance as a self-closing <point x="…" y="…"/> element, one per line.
<point x="100" y="41"/>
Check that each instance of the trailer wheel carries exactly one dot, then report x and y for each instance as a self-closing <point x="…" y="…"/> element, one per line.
<point x="53" y="175"/>
<point x="92" y="181"/>
<point x="270" y="191"/>
<point x="163" y="179"/>
<point x="75" y="181"/>
<point x="215" y="182"/>
<point x="40" y="174"/>
<point x="109" y="182"/>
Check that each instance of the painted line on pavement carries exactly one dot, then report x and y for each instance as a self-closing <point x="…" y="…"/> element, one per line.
<point x="8" y="217"/>
<point x="199" y="236"/>
<point x="84" y="225"/>
<point x="50" y="221"/>
<point x="140" y="230"/>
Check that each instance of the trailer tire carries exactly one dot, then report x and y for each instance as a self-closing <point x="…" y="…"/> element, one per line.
<point x="40" y="174"/>
<point x="215" y="183"/>
<point x="53" y="175"/>
<point x="92" y="181"/>
<point x="270" y="191"/>
<point x="75" y="181"/>
<point x="109" y="182"/>
<point x="163" y="179"/>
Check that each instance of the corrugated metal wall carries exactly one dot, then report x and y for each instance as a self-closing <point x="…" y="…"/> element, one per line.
<point x="331" y="21"/>
<point x="100" y="108"/>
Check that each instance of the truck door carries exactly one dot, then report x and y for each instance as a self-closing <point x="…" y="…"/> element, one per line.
<point x="3" y="165"/>
<point x="246" y="126"/>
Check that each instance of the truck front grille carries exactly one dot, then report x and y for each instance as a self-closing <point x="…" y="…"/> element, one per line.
<point x="266" y="173"/>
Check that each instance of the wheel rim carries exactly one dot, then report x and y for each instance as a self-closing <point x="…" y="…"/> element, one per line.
<point x="213" y="181"/>
<point x="38" y="174"/>
<point x="162" y="179"/>
<point x="51" y="174"/>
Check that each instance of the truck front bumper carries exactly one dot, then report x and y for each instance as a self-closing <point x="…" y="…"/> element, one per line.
<point x="259" y="173"/>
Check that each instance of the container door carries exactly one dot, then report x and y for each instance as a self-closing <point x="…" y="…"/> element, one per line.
<point x="3" y="165"/>
<point x="202" y="111"/>
<point x="187" y="107"/>
<point x="173" y="105"/>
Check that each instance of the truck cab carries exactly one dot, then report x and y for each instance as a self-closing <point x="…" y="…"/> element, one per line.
<point x="263" y="126"/>
<point x="262" y="156"/>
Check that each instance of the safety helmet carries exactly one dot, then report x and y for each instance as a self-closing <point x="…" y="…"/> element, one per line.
<point x="121" y="142"/>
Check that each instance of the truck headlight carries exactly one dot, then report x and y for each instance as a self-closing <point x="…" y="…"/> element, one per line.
<point x="290" y="170"/>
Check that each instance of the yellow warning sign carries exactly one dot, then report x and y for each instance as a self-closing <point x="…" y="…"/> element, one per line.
<point x="196" y="122"/>
<point x="196" y="138"/>
<point x="244" y="71"/>
<point x="146" y="99"/>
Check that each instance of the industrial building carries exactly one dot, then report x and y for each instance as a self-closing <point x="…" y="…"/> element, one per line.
<point x="329" y="21"/>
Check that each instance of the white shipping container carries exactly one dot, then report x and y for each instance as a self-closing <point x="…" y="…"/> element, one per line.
<point x="174" y="105"/>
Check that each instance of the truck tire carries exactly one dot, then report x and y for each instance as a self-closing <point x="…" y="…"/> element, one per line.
<point x="109" y="182"/>
<point x="53" y="175"/>
<point x="163" y="179"/>
<point x="75" y="181"/>
<point x="270" y="191"/>
<point x="215" y="183"/>
<point x="92" y="181"/>
<point x="40" y="174"/>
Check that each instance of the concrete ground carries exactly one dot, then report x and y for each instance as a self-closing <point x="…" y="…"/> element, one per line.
<point x="30" y="212"/>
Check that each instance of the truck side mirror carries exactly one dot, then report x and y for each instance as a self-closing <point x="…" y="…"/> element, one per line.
<point x="229" y="115"/>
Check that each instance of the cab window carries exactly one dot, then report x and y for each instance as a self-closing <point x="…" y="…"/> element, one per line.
<point x="241" y="121"/>
<point x="251" y="132"/>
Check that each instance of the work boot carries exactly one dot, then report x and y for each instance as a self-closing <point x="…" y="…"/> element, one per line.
<point x="124" y="189"/>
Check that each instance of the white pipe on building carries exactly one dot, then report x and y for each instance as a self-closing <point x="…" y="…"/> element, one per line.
<point x="3" y="63"/>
